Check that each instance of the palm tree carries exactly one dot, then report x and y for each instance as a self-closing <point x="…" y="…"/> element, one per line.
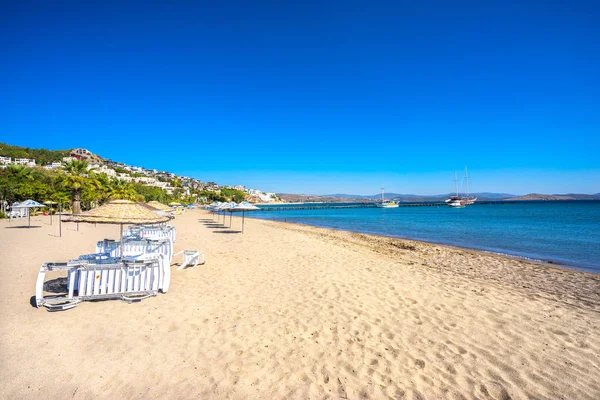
<point x="14" y="178"/>
<point x="123" y="190"/>
<point x="76" y="179"/>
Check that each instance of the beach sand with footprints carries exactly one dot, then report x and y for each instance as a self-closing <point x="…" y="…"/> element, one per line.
<point x="296" y="312"/>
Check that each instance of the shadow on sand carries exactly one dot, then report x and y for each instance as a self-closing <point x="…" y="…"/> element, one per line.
<point x="229" y="231"/>
<point x="23" y="227"/>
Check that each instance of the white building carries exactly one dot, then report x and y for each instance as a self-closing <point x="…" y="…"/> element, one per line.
<point x="68" y="159"/>
<point x="145" y="179"/>
<point x="81" y="153"/>
<point x="125" y="177"/>
<point x="54" y="165"/>
<point x="5" y="160"/>
<point x="108" y="171"/>
<point x="25" y="161"/>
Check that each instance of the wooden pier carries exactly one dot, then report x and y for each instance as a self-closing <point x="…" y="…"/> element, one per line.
<point x="325" y="206"/>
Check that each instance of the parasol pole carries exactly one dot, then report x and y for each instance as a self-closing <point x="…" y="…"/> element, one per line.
<point x="242" y="222"/>
<point x="29" y="217"/>
<point x="60" y="220"/>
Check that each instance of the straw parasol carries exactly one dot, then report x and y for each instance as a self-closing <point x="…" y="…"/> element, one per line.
<point x="159" y="206"/>
<point x="120" y="212"/>
<point x="174" y="204"/>
<point x="167" y="214"/>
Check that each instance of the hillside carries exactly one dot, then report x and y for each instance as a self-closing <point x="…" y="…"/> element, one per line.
<point x="555" y="197"/>
<point x="41" y="156"/>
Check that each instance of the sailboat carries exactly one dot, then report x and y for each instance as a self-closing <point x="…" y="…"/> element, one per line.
<point x="467" y="199"/>
<point x="455" y="201"/>
<point x="386" y="204"/>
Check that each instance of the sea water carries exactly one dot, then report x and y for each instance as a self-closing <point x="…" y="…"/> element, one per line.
<point x="562" y="232"/>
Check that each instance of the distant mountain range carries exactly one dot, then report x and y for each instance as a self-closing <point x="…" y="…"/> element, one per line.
<point x="482" y="196"/>
<point x="417" y="197"/>
<point x="553" y="197"/>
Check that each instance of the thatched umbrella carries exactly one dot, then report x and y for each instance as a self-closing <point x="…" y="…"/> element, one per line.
<point x="159" y="206"/>
<point x="120" y="212"/>
<point x="174" y="204"/>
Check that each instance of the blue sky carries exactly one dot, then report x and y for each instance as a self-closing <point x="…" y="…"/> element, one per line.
<point x="314" y="97"/>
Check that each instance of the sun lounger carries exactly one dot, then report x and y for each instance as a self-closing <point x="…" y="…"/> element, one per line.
<point x="191" y="258"/>
<point x="133" y="247"/>
<point x="129" y="280"/>
<point x="142" y="231"/>
<point x="106" y="258"/>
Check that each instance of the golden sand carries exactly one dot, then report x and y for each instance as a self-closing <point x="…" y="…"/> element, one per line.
<point x="288" y="311"/>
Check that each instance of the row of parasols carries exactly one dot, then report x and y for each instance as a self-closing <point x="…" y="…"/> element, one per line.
<point x="110" y="213"/>
<point x="218" y="207"/>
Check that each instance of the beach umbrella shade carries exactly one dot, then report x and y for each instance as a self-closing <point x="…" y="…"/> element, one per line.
<point x="243" y="207"/>
<point x="159" y="206"/>
<point x="174" y="204"/>
<point x="121" y="212"/>
<point x="224" y="207"/>
<point x="167" y="214"/>
<point x="30" y="204"/>
<point x="213" y="206"/>
<point x="49" y="204"/>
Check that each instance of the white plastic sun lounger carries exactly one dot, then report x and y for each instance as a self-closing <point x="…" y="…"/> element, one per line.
<point x="143" y="231"/>
<point x="191" y="258"/>
<point x="134" y="247"/>
<point x="106" y="258"/>
<point x="128" y="280"/>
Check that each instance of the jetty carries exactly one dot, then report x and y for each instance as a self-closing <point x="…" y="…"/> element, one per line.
<point x="322" y="206"/>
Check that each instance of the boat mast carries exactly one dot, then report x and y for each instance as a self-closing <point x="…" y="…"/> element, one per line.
<point x="382" y="199"/>
<point x="456" y="183"/>
<point x="467" y="180"/>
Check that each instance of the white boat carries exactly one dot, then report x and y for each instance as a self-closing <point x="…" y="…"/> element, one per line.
<point x="455" y="201"/>
<point x="386" y="204"/>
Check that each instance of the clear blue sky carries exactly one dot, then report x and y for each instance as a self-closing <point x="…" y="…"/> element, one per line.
<point x="314" y="97"/>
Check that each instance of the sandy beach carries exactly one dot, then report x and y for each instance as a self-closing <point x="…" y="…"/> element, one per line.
<point x="289" y="311"/>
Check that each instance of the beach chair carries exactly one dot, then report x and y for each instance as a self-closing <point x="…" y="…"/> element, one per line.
<point x="130" y="280"/>
<point x="107" y="258"/>
<point x="191" y="258"/>
<point x="135" y="246"/>
<point x="141" y="232"/>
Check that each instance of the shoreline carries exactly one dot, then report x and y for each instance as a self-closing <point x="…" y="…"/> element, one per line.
<point x="548" y="262"/>
<point x="534" y="272"/>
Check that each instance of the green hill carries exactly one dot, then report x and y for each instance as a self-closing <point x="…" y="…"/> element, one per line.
<point x="41" y="156"/>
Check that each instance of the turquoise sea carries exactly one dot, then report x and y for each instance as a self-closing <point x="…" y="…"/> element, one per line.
<point x="562" y="232"/>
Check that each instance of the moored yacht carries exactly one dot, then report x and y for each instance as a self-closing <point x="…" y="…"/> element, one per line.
<point x="384" y="203"/>
<point x="455" y="201"/>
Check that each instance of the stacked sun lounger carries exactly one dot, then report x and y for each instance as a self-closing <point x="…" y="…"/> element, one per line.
<point x="133" y="246"/>
<point x="127" y="279"/>
<point x="142" y="231"/>
<point x="131" y="270"/>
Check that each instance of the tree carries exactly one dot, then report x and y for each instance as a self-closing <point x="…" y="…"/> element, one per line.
<point x="77" y="179"/>
<point x="15" y="181"/>
<point x="124" y="190"/>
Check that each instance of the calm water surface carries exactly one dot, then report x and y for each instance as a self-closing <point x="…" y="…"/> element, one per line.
<point x="565" y="232"/>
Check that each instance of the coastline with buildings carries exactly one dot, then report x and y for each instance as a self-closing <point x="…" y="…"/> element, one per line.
<point x="186" y="186"/>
